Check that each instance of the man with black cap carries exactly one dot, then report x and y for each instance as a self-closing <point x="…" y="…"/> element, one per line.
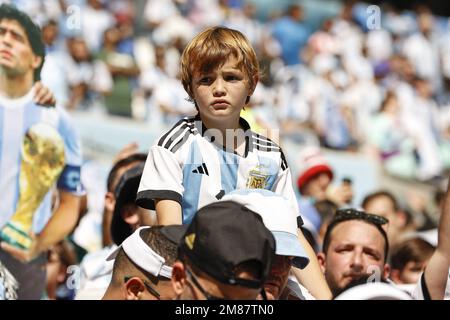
<point x="224" y="254"/>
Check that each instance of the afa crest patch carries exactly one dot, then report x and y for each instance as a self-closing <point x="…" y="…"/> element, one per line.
<point x="258" y="178"/>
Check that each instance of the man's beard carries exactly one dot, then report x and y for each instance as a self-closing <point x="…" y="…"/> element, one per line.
<point x="363" y="279"/>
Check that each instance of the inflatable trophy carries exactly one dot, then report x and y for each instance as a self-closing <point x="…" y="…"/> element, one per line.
<point x="42" y="163"/>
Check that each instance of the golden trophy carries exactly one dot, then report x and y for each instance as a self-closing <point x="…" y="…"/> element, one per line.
<point x="42" y="163"/>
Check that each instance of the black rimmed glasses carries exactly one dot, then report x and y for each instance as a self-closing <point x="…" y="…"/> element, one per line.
<point x="150" y="289"/>
<point x="351" y="214"/>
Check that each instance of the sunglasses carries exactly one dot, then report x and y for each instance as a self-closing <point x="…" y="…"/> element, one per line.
<point x="353" y="214"/>
<point x="209" y="296"/>
<point x="150" y="289"/>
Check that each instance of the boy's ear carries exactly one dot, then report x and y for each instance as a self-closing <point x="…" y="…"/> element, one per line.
<point x="255" y="82"/>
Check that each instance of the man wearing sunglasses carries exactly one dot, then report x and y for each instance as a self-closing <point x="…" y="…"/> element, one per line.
<point x="224" y="254"/>
<point x="354" y="247"/>
<point x="355" y="250"/>
<point x="143" y="267"/>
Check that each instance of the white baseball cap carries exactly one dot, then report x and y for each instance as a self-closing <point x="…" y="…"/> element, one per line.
<point x="141" y="254"/>
<point x="279" y="216"/>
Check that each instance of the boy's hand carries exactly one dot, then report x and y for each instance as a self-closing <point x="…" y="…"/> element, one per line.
<point x="43" y="95"/>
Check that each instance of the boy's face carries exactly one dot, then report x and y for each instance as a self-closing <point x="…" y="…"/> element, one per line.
<point x="16" y="55"/>
<point x="221" y="94"/>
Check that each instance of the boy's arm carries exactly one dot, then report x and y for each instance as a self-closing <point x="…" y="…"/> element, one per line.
<point x="168" y="212"/>
<point x="161" y="188"/>
<point x="436" y="272"/>
<point x="312" y="277"/>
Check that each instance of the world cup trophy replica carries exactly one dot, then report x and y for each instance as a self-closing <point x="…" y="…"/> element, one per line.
<point x="42" y="162"/>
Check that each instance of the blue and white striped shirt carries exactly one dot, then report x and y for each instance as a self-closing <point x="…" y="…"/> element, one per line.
<point x="17" y="116"/>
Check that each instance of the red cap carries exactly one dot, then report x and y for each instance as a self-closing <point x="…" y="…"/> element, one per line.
<point x="311" y="162"/>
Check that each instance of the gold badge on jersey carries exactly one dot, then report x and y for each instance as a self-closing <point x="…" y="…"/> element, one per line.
<point x="257" y="178"/>
<point x="42" y="162"/>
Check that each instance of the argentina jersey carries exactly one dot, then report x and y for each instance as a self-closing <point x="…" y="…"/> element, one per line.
<point x="38" y="149"/>
<point x="188" y="167"/>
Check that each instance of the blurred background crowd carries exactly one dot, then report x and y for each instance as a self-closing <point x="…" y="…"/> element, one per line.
<point x="357" y="92"/>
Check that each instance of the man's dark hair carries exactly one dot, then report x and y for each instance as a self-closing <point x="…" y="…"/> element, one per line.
<point x="374" y="220"/>
<point x="326" y="209"/>
<point x="153" y="237"/>
<point x="378" y="194"/>
<point x="415" y="250"/>
<point x="33" y="32"/>
<point x="112" y="176"/>
<point x="384" y="193"/>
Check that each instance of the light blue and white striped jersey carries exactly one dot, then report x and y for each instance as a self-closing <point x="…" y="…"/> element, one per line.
<point x="17" y="117"/>
<point x="188" y="167"/>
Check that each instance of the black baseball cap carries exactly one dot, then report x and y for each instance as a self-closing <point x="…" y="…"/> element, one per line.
<point x="223" y="235"/>
<point x="125" y="192"/>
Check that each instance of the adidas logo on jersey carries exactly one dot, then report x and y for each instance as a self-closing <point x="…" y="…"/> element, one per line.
<point x="201" y="169"/>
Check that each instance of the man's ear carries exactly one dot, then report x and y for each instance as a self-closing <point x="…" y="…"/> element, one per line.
<point x="321" y="258"/>
<point x="37" y="61"/>
<point x="131" y="217"/>
<point x="386" y="271"/>
<point x="394" y="275"/>
<point x="134" y="287"/>
<point x="401" y="219"/>
<point x="178" y="278"/>
<point x="110" y="201"/>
